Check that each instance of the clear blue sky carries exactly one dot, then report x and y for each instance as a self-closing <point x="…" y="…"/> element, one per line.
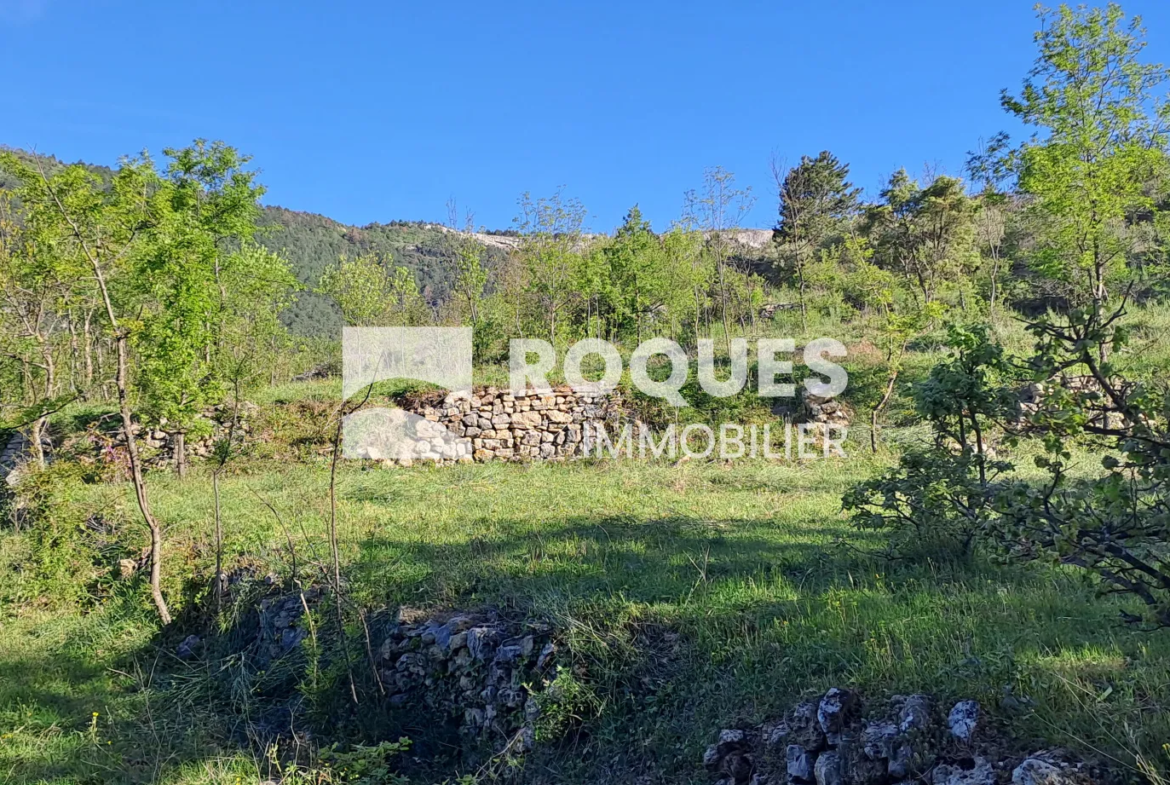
<point x="372" y="111"/>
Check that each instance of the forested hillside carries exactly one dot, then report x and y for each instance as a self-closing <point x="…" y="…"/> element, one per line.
<point x="311" y="242"/>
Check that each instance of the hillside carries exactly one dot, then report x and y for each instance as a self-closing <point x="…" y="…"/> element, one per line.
<point x="312" y="241"/>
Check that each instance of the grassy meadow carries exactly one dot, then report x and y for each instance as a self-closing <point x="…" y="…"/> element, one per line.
<point x="694" y="597"/>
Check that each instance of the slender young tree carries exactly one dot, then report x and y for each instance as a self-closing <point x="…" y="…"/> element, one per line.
<point x="207" y="208"/>
<point x="95" y="234"/>
<point x="470" y="274"/>
<point x="551" y="238"/>
<point x="718" y="209"/>
<point x="1100" y="137"/>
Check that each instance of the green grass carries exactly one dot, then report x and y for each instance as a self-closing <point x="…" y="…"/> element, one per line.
<point x="753" y="564"/>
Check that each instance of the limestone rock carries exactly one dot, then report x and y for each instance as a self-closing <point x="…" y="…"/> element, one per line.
<point x="963" y="720"/>
<point x="981" y="773"/>
<point x="827" y="770"/>
<point x="799" y="764"/>
<point x="1037" y="771"/>
<point x="730" y="740"/>
<point x="915" y="713"/>
<point x="833" y="712"/>
<point x="805" y="727"/>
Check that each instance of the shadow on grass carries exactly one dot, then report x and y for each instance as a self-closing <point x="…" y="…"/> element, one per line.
<point x="767" y="613"/>
<point x="585" y="559"/>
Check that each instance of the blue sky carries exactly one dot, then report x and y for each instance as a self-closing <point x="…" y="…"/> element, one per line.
<point x="373" y="111"/>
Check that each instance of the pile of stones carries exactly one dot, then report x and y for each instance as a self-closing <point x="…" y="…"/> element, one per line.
<point x="1087" y="392"/>
<point x="158" y="443"/>
<point x="480" y="669"/>
<point x="480" y="672"/>
<point x="830" y="741"/>
<point x="16" y="453"/>
<point x="827" y="412"/>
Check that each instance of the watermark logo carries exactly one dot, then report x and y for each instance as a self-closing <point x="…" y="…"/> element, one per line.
<point x="438" y="355"/>
<point x="443" y="356"/>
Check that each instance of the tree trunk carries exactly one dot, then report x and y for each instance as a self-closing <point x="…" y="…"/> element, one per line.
<point x="35" y="434"/>
<point x="723" y="300"/>
<point x="873" y="416"/>
<point x="180" y="444"/>
<point x="803" y="307"/>
<point x="87" y="347"/>
<point x="121" y="380"/>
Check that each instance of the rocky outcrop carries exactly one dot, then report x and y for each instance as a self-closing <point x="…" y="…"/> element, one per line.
<point x="834" y="740"/>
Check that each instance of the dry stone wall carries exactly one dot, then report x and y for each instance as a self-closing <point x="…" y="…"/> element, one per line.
<point x="496" y="424"/>
<point x="502" y="425"/>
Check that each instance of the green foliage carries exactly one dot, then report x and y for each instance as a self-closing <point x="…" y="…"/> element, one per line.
<point x="1101" y="141"/>
<point x="942" y="496"/>
<point x="924" y="234"/>
<point x="1117" y="524"/>
<point x="550" y="253"/>
<point x="564" y="704"/>
<point x="362" y="765"/>
<point x="199" y="244"/>
<point x="816" y="200"/>
<point x="371" y="293"/>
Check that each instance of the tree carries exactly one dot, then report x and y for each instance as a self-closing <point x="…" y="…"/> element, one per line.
<point x="816" y="199"/>
<point x="990" y="168"/>
<point x="93" y="233"/>
<point x="946" y="493"/>
<point x="30" y="326"/>
<point x="550" y="251"/>
<point x="256" y="286"/>
<point x="207" y="206"/>
<point x="639" y="277"/>
<point x="691" y="272"/>
<point x="1099" y="138"/>
<point x="470" y="274"/>
<point x="370" y="293"/>
<point x="924" y="234"/>
<point x="716" y="209"/>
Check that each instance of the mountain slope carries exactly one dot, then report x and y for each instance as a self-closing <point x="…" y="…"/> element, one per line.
<point x="311" y="242"/>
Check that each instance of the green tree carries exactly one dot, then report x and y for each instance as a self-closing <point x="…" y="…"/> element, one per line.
<point x="638" y="273"/>
<point x="551" y="253"/>
<point x="92" y="233"/>
<point x="31" y="318"/>
<point x="1099" y="139"/>
<point x="206" y="208"/>
<point x="924" y="234"/>
<point x="370" y="293"/>
<point x="717" y="209"/>
<point x="816" y="199"/>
